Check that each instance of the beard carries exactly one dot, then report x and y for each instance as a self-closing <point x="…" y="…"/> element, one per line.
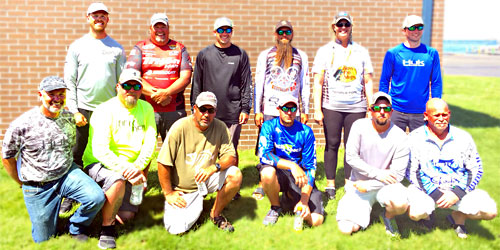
<point x="130" y="102"/>
<point x="284" y="53"/>
<point x="381" y="122"/>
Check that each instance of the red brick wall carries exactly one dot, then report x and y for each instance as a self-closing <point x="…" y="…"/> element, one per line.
<point x="36" y="34"/>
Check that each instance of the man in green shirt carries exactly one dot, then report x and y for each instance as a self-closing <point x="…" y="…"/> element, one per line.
<point x="188" y="167"/>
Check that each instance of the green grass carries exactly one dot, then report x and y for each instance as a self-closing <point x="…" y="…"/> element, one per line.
<point x="474" y="103"/>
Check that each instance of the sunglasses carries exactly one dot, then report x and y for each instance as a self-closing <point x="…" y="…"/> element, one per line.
<point x="412" y="28"/>
<point x="378" y="108"/>
<point x="291" y="109"/>
<point x="281" y="32"/>
<point x="128" y="86"/>
<point x="227" y="30"/>
<point x="203" y="110"/>
<point x="340" y="25"/>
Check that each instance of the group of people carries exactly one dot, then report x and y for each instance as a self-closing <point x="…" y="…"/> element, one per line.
<point x="100" y="148"/>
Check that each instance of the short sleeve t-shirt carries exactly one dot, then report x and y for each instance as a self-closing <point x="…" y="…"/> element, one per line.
<point x="187" y="149"/>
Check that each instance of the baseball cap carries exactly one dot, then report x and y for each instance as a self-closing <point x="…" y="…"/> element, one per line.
<point x="283" y="23"/>
<point x="222" y="21"/>
<point x="97" y="7"/>
<point x="381" y="94"/>
<point x="130" y="75"/>
<point x="412" y="20"/>
<point x="159" y="18"/>
<point x="287" y="99"/>
<point x="206" y="98"/>
<point x="343" y="15"/>
<point x="50" y="83"/>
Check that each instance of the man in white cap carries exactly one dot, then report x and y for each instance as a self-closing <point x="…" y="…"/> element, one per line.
<point x="378" y="153"/>
<point x="93" y="65"/>
<point x="122" y="141"/>
<point x="288" y="165"/>
<point x="166" y="68"/>
<point x="408" y="71"/>
<point x="197" y="158"/>
<point x="41" y="140"/>
<point x="224" y="69"/>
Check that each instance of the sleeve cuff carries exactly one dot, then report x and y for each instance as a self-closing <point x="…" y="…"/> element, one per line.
<point x="460" y="193"/>
<point x="436" y="194"/>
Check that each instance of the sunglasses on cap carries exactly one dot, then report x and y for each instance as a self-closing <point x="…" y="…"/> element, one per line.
<point x="203" y="110"/>
<point x="227" y="30"/>
<point x="340" y="25"/>
<point x="414" y="27"/>
<point x="128" y="86"/>
<point x="286" y="109"/>
<point x="281" y="32"/>
<point x="379" y="108"/>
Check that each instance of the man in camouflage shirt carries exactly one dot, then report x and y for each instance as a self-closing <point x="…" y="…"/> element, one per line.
<point x="36" y="153"/>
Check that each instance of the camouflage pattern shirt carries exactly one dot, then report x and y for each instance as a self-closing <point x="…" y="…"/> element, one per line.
<point x="43" y="145"/>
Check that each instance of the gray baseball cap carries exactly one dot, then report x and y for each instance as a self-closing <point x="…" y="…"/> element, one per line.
<point x="287" y="99"/>
<point x="130" y="75"/>
<point x="381" y="94"/>
<point x="206" y="98"/>
<point x="50" y="83"/>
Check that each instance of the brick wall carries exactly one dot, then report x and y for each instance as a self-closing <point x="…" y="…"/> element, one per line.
<point x="37" y="33"/>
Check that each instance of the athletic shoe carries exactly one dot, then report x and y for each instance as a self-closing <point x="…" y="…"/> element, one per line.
<point x="272" y="216"/>
<point x="222" y="223"/>
<point x="66" y="206"/>
<point x="330" y="193"/>
<point x="391" y="227"/>
<point x="237" y="196"/>
<point x="106" y="242"/>
<point x="459" y="229"/>
<point x="80" y="237"/>
<point x="430" y="223"/>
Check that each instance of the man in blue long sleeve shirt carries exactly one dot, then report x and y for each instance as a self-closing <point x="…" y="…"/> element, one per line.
<point x="288" y="165"/>
<point x="408" y="71"/>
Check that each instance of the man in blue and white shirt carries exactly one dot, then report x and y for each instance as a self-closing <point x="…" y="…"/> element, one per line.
<point x="288" y="165"/>
<point x="445" y="169"/>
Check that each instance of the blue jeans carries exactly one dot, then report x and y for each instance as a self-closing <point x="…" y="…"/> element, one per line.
<point x="43" y="203"/>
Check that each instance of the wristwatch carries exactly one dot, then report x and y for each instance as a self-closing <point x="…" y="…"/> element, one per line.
<point x="217" y="166"/>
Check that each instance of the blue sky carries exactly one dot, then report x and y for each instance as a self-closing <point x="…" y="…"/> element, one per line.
<point x="472" y="20"/>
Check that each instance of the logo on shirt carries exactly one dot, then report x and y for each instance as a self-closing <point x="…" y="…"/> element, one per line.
<point x="411" y="63"/>
<point x="198" y="159"/>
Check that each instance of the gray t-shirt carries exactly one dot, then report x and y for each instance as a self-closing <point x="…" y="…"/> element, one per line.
<point x="44" y="145"/>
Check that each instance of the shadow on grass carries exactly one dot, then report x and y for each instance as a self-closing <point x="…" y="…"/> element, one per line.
<point x="471" y="119"/>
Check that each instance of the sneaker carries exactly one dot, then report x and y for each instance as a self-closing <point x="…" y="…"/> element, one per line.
<point x="106" y="242"/>
<point x="430" y="223"/>
<point x="237" y="196"/>
<point x="222" y="223"/>
<point x="272" y="216"/>
<point x="66" y="206"/>
<point x="80" y="237"/>
<point x="391" y="227"/>
<point x="330" y="193"/>
<point x="459" y="229"/>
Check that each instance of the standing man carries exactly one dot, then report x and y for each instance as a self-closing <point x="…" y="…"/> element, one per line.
<point x="121" y="144"/>
<point x="166" y="68"/>
<point x="224" y="69"/>
<point x="197" y="158"/>
<point x="288" y="157"/>
<point x="378" y="154"/>
<point x="281" y="70"/>
<point x="444" y="172"/>
<point x="408" y="71"/>
<point x="41" y="140"/>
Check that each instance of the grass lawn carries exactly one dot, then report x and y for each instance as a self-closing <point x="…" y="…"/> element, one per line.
<point x="474" y="102"/>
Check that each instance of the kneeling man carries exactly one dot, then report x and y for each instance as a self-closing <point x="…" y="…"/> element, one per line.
<point x="122" y="140"/>
<point x="188" y="168"/>
<point x="444" y="172"/>
<point x="288" y="165"/>
<point x="378" y="153"/>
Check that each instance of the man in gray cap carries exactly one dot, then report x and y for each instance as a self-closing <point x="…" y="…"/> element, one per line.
<point x="166" y="68"/>
<point x="281" y="70"/>
<point x="224" y="69"/>
<point x="197" y="158"/>
<point x="122" y="140"/>
<point x="408" y="71"/>
<point x="378" y="153"/>
<point x="41" y="139"/>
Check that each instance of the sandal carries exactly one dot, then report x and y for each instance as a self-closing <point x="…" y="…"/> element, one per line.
<point x="222" y="223"/>
<point x="258" y="193"/>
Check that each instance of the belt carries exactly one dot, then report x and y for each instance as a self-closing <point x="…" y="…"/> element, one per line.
<point x="38" y="184"/>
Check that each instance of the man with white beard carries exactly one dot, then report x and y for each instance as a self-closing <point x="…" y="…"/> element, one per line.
<point x="122" y="139"/>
